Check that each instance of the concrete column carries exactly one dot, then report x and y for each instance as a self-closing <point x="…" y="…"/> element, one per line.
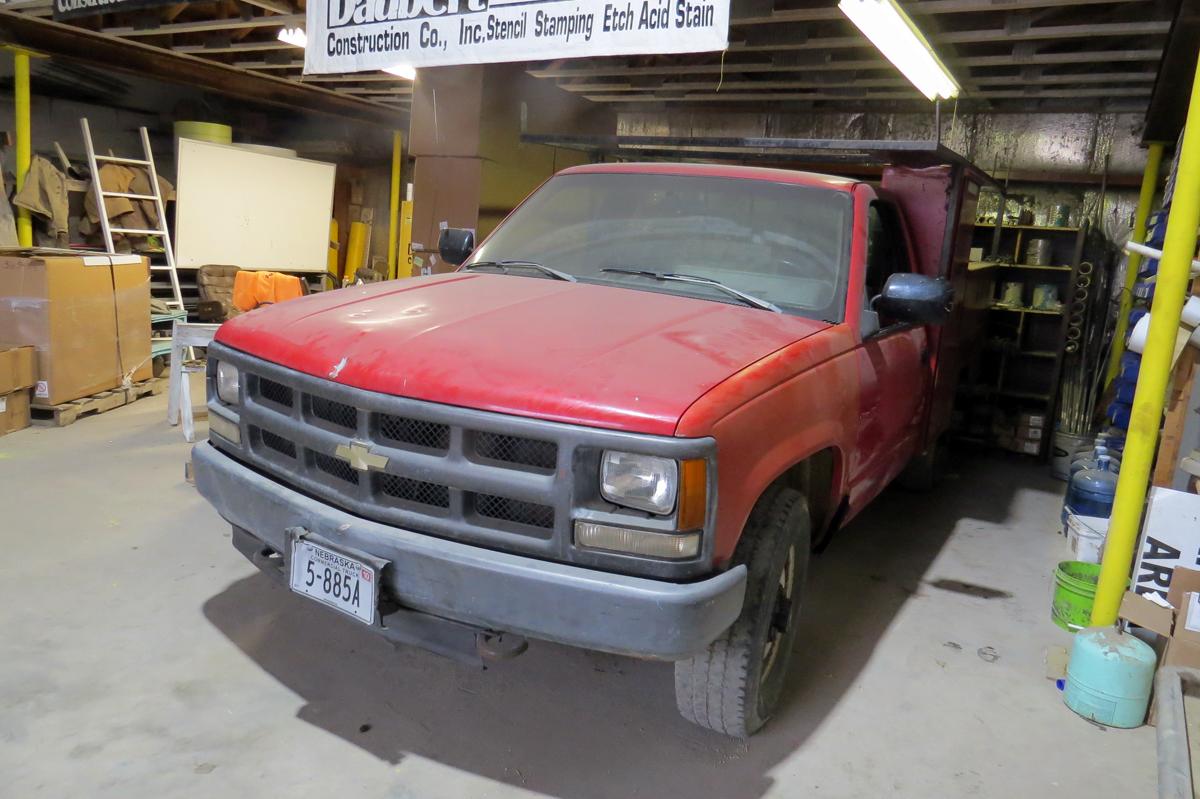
<point x="465" y="134"/>
<point x="444" y="131"/>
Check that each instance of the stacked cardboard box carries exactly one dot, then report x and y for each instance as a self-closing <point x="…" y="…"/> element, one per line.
<point x="87" y="316"/>
<point x="1176" y="619"/>
<point x="16" y="380"/>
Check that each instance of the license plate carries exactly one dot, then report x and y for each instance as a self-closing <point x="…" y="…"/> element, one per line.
<point x="338" y="581"/>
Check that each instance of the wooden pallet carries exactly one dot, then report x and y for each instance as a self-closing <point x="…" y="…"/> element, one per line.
<point x="67" y="412"/>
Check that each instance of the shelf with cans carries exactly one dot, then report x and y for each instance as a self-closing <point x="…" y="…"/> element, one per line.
<point x="1009" y="393"/>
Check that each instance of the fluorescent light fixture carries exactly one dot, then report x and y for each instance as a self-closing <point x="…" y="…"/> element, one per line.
<point x="406" y="71"/>
<point x="891" y="30"/>
<point x="293" y="36"/>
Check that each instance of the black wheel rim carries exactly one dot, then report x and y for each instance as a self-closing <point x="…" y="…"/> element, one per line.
<point x="780" y="618"/>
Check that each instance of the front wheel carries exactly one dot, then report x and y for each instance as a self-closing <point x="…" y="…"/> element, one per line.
<point x="734" y="686"/>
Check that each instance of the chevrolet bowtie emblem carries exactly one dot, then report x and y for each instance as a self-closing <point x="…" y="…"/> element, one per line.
<point x="360" y="457"/>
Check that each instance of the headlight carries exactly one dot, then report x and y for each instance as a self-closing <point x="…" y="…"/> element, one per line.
<point x="228" y="380"/>
<point x="643" y="482"/>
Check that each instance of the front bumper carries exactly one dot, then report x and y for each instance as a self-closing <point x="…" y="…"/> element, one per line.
<point x="484" y="588"/>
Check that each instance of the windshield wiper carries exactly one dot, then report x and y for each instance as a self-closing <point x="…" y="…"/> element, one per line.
<point x="749" y="299"/>
<point x="503" y="267"/>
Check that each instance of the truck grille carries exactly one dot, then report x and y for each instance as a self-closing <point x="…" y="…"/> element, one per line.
<point x="499" y="481"/>
<point x="487" y="486"/>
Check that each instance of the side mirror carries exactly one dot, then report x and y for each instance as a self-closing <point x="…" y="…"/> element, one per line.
<point x="915" y="298"/>
<point x="455" y="245"/>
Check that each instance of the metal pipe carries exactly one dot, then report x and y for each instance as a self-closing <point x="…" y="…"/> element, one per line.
<point x="24" y="144"/>
<point x="1150" y="252"/>
<point x="1155" y="372"/>
<point x="1145" y="198"/>
<point x="394" y="207"/>
<point x="1174" y="754"/>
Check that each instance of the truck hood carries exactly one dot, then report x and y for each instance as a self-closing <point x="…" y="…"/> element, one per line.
<point x="571" y="352"/>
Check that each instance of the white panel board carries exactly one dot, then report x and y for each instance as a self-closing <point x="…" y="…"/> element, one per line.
<point x="1170" y="538"/>
<point x="250" y="209"/>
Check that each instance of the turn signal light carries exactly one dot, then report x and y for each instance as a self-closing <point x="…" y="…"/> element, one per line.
<point x="693" y="494"/>
<point x="637" y="542"/>
<point x="224" y="428"/>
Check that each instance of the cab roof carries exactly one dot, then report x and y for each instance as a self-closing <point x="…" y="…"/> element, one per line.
<point x="812" y="179"/>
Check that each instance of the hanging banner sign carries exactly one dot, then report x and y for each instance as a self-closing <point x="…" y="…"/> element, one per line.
<point x="361" y="35"/>
<point x="69" y="9"/>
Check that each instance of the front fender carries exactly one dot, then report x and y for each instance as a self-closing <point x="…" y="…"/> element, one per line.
<point x="760" y="438"/>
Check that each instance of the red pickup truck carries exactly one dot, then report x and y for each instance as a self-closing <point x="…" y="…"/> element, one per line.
<point x="622" y="424"/>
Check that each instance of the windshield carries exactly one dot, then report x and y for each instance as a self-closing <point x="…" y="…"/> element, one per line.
<point x="786" y="244"/>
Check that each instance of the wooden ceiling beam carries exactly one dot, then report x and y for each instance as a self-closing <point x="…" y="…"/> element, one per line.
<point x="879" y="83"/>
<point x="620" y="70"/>
<point x="757" y="97"/>
<point x="272" y="65"/>
<point x="921" y="8"/>
<point x="73" y="43"/>
<point x="1057" y="32"/>
<point x="234" y="47"/>
<point x="275" y="6"/>
<point x="354" y="77"/>
<point x="202" y="25"/>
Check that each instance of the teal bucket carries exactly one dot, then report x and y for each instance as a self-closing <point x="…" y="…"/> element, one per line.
<point x="1109" y="677"/>
<point x="1074" y="594"/>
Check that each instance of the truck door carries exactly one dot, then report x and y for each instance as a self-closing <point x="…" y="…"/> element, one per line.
<point x="892" y="364"/>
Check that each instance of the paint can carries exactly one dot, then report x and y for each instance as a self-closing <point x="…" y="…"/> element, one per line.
<point x="1074" y="593"/>
<point x="1064" y="448"/>
<point x="1086" y="535"/>
<point x="1045" y="297"/>
<point x="1010" y="293"/>
<point x="1038" y="252"/>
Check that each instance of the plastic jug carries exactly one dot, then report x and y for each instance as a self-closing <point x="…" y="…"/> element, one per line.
<point x="1091" y="460"/>
<point x="1091" y="491"/>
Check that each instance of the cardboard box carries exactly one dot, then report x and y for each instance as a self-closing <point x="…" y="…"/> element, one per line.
<point x="87" y="316"/>
<point x="14" y="411"/>
<point x="16" y="368"/>
<point x="1027" y="419"/>
<point x="1027" y="433"/>
<point x="1177" y="622"/>
<point x="1019" y="445"/>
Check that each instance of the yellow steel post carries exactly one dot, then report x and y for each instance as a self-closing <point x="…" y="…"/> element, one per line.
<point x="406" y="220"/>
<point x="1149" y="184"/>
<point x="394" y="207"/>
<point x="1149" y="397"/>
<point x="24" y="145"/>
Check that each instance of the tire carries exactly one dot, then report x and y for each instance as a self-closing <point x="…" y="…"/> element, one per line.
<point x="734" y="686"/>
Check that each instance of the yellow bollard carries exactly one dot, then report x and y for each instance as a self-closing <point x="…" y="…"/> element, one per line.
<point x="1145" y="198"/>
<point x="1149" y="397"/>
<point x="23" y="135"/>
<point x="394" y="207"/>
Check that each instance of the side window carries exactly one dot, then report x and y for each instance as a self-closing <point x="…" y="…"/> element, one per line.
<point x="886" y="252"/>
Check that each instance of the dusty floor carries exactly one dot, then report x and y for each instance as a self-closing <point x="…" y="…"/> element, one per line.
<point x="142" y="656"/>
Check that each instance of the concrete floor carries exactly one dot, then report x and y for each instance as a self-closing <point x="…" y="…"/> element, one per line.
<point x="142" y="656"/>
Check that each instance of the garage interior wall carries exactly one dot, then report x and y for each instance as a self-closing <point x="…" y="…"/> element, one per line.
<point x="1063" y="153"/>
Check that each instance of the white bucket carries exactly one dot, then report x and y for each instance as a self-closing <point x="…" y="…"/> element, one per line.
<point x="1086" y="535"/>
<point x="1063" y="450"/>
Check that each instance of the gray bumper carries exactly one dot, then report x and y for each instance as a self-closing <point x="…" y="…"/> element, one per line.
<point x="483" y="588"/>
